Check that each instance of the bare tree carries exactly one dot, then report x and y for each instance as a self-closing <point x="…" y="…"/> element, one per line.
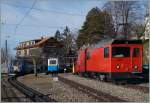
<point x="35" y="55"/>
<point x="124" y="14"/>
<point x="68" y="40"/>
<point x="139" y="29"/>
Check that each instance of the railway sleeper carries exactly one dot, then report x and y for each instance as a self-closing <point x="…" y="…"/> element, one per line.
<point x="95" y="93"/>
<point x="29" y="92"/>
<point x="29" y="89"/>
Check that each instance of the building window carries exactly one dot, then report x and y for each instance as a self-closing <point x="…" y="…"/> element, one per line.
<point x="106" y="52"/>
<point x="18" y="52"/>
<point x="27" y="43"/>
<point x="25" y="52"/>
<point x="33" y="42"/>
<point x="24" y="44"/>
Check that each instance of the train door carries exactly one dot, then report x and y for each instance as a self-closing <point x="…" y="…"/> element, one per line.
<point x="136" y="60"/>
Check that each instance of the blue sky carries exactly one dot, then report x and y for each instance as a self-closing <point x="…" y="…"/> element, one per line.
<point x="43" y="20"/>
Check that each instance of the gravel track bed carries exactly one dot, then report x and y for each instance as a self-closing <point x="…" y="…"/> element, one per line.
<point x="128" y="94"/>
<point x="137" y="87"/>
<point x="55" y="89"/>
<point x="144" y="87"/>
<point x="11" y="93"/>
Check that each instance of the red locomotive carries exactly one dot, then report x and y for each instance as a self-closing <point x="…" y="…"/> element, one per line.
<point x="116" y="59"/>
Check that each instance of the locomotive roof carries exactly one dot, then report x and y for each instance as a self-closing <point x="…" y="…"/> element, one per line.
<point x="112" y="41"/>
<point x="127" y="42"/>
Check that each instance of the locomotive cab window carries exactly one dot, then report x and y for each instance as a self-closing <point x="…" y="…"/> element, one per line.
<point x="118" y="52"/>
<point x="135" y="52"/>
<point x="106" y="52"/>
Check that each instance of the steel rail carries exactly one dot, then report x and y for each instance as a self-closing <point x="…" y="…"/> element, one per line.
<point x="11" y="96"/>
<point x="124" y="84"/>
<point x="101" y="96"/>
<point x="34" y="95"/>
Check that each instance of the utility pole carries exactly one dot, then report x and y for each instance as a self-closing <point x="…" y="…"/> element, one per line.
<point x="6" y="52"/>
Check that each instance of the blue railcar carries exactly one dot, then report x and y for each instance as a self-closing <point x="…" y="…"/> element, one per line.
<point x="25" y="67"/>
<point x="53" y="65"/>
<point x="21" y="67"/>
<point x="10" y="68"/>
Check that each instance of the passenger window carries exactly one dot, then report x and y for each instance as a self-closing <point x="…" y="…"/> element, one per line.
<point x="135" y="52"/>
<point x="106" y="52"/>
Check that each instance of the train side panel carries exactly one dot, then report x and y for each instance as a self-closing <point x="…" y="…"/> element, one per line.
<point x="53" y="68"/>
<point x="97" y="62"/>
<point x="80" y="64"/>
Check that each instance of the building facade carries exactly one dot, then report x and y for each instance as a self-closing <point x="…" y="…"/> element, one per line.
<point x="41" y="49"/>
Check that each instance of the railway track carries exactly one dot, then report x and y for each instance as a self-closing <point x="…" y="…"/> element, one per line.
<point x="125" y="84"/>
<point x="130" y="85"/>
<point x="101" y="96"/>
<point x="136" y="87"/>
<point x="35" y="96"/>
<point x="8" y="93"/>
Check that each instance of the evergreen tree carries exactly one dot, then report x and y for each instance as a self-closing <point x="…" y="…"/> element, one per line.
<point x="66" y="32"/>
<point x="58" y="35"/>
<point x="98" y="25"/>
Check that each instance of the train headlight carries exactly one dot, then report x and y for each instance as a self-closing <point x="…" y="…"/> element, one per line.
<point x="117" y="66"/>
<point x="135" y="67"/>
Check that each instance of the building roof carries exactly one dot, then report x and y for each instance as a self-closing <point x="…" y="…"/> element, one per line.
<point x="41" y="41"/>
<point x="37" y="44"/>
<point x="31" y="40"/>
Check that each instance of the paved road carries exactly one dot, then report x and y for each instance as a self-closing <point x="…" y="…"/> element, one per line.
<point x="9" y="93"/>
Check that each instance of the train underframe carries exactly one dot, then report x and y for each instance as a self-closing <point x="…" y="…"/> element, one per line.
<point x="114" y="76"/>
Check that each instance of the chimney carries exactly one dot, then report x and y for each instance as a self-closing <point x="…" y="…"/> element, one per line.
<point x="42" y="37"/>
